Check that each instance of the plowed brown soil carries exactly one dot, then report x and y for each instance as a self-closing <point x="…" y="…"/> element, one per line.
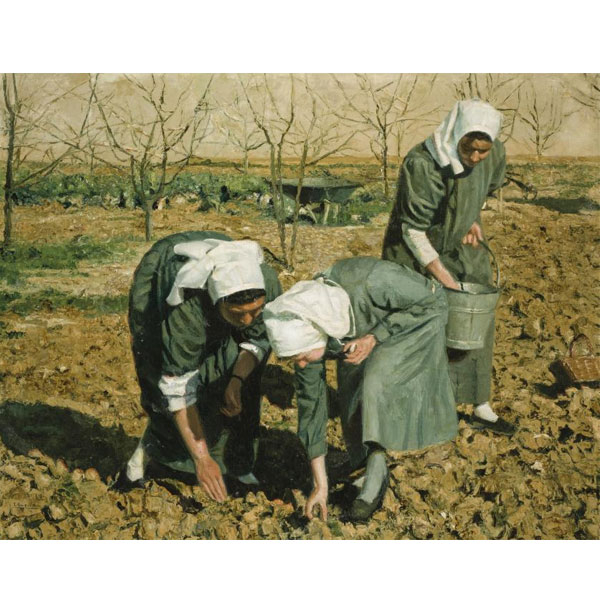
<point x="69" y="411"/>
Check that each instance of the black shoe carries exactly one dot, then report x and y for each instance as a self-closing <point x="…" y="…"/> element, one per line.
<point x="123" y="484"/>
<point x="500" y="426"/>
<point x="361" y="510"/>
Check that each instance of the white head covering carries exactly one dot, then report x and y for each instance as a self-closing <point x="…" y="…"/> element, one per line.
<point x="220" y="266"/>
<point x="466" y="116"/>
<point x="307" y="314"/>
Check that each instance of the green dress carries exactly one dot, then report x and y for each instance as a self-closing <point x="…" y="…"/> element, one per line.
<point x="400" y="397"/>
<point x="191" y="337"/>
<point x="432" y="199"/>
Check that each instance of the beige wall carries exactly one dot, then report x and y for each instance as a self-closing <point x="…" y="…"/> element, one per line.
<point x="580" y="135"/>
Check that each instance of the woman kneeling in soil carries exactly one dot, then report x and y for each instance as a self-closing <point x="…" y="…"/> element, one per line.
<point x="386" y="326"/>
<point x="200" y="346"/>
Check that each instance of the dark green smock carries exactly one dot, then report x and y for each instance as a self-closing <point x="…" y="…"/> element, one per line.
<point x="169" y="340"/>
<point x="400" y="397"/>
<point x="432" y="199"/>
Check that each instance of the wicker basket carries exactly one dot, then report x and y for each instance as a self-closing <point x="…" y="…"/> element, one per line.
<point x="577" y="369"/>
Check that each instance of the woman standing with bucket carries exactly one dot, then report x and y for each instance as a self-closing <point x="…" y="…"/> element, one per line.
<point x="435" y="228"/>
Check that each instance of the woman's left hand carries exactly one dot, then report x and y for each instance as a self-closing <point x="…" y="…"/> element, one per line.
<point x="316" y="500"/>
<point x="358" y="349"/>
<point x="474" y="235"/>
<point x="232" y="400"/>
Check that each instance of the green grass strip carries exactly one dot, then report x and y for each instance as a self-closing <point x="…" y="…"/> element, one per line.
<point x="16" y="261"/>
<point x="51" y="299"/>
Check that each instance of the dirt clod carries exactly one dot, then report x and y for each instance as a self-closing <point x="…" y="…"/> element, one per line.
<point x="70" y="413"/>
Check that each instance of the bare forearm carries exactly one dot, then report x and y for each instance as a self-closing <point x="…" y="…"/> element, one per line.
<point x="319" y="472"/>
<point x="208" y="471"/>
<point x="191" y="431"/>
<point x="439" y="271"/>
<point x="318" y="497"/>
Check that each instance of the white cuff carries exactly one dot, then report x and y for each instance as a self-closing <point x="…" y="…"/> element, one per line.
<point x="419" y="245"/>
<point x="180" y="391"/>
<point x="258" y="352"/>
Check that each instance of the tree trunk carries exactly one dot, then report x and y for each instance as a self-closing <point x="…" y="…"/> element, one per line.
<point x="8" y="183"/>
<point x="384" y="168"/>
<point x="278" y="201"/>
<point x="301" y="172"/>
<point x="8" y="209"/>
<point x="148" y="218"/>
<point x="245" y="162"/>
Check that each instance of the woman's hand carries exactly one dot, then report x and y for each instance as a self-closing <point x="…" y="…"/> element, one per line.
<point x="439" y="271"/>
<point x="318" y="496"/>
<point x="210" y="478"/>
<point x="317" y="499"/>
<point x="358" y="349"/>
<point x="208" y="472"/>
<point x="474" y="235"/>
<point x="232" y="400"/>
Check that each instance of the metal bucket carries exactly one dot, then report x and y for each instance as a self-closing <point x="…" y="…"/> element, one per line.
<point x="470" y="312"/>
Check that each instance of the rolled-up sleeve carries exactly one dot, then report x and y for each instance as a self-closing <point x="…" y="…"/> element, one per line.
<point x="183" y="337"/>
<point x="419" y="245"/>
<point x="179" y="391"/>
<point x="258" y="352"/>
<point x="255" y="340"/>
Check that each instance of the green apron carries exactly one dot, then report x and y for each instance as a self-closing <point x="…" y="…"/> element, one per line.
<point x="400" y="397"/>
<point x="188" y="337"/>
<point x="432" y="199"/>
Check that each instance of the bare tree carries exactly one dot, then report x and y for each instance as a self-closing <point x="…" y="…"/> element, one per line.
<point x="156" y="142"/>
<point x="318" y="135"/>
<point x="543" y="117"/>
<point x="274" y="115"/>
<point x="503" y="92"/>
<point x="37" y="138"/>
<point x="410" y="119"/>
<point x="296" y="121"/>
<point x="379" y="107"/>
<point x="585" y="90"/>
<point x="236" y="123"/>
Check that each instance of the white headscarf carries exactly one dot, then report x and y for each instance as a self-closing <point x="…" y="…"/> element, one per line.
<point x="302" y="318"/>
<point x="465" y="117"/>
<point x="220" y="266"/>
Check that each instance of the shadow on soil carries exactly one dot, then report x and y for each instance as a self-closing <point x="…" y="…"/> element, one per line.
<point x="278" y="386"/>
<point x="552" y="391"/>
<point x="80" y="440"/>
<point x="282" y="463"/>
<point x="281" y="466"/>
<point x="561" y="205"/>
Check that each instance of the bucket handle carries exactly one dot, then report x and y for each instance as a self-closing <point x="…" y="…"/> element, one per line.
<point x="485" y="245"/>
